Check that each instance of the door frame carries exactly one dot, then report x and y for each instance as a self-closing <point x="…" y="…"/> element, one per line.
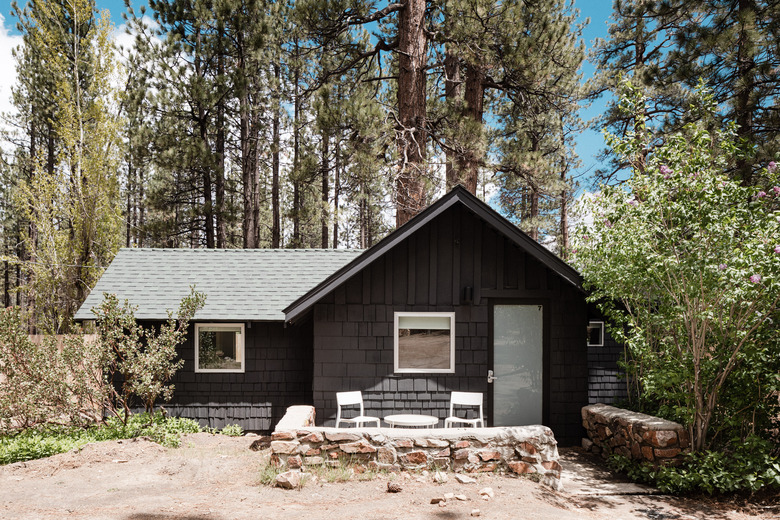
<point x="546" y="307"/>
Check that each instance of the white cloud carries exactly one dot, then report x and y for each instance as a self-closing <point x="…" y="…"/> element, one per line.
<point x="7" y="65"/>
<point x="125" y="34"/>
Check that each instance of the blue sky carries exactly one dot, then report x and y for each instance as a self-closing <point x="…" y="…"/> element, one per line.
<point x="588" y="143"/>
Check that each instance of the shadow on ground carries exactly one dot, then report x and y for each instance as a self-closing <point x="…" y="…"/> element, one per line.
<point x="589" y="484"/>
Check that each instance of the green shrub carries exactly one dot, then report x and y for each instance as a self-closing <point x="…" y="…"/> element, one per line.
<point x="47" y="381"/>
<point x="232" y="430"/>
<point x="72" y="381"/>
<point x="36" y="443"/>
<point x="750" y="468"/>
<point x="684" y="261"/>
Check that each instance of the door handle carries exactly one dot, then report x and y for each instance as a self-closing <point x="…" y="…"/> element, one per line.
<point x="491" y="377"/>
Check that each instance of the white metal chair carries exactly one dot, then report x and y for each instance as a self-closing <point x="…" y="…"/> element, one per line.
<point x="350" y="399"/>
<point x="465" y="399"/>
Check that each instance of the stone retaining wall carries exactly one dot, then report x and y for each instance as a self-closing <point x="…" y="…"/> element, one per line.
<point x="524" y="450"/>
<point x="634" y="435"/>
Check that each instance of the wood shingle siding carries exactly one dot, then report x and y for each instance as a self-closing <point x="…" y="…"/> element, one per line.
<point x="277" y="375"/>
<point x="606" y="380"/>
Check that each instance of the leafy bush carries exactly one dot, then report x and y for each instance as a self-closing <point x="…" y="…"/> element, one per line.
<point x="36" y="443"/>
<point x="141" y="360"/>
<point x="750" y="468"/>
<point x="71" y="382"/>
<point x="232" y="430"/>
<point x="685" y="262"/>
<point x="51" y="381"/>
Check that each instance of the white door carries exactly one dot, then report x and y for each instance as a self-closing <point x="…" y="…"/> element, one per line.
<point x="518" y="364"/>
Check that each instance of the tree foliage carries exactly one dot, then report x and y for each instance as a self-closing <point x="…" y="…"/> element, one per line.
<point x="685" y="261"/>
<point x="275" y="124"/>
<point x="667" y="47"/>
<point x="66" y="193"/>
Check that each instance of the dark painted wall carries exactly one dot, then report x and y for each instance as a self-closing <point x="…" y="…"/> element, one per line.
<point x="606" y="381"/>
<point x="353" y="326"/>
<point x="277" y="375"/>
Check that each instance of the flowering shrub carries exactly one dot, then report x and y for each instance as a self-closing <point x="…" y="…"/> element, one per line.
<point x="74" y="381"/>
<point x="689" y="276"/>
<point x="49" y="381"/>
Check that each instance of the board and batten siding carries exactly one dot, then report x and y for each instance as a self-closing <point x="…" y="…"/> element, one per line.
<point x="353" y="325"/>
<point x="277" y="375"/>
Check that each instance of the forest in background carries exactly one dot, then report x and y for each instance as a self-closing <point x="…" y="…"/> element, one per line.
<point x="327" y="123"/>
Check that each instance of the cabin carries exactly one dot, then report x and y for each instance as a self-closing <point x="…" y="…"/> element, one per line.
<point x="457" y="299"/>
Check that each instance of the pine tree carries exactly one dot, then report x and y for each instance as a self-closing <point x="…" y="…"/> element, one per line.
<point x="472" y="54"/>
<point x="634" y="51"/>
<point x="737" y="58"/>
<point x="529" y="82"/>
<point x="331" y="31"/>
<point x="665" y="48"/>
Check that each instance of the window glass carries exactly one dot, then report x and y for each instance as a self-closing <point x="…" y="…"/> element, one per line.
<point x="424" y="342"/>
<point x="220" y="347"/>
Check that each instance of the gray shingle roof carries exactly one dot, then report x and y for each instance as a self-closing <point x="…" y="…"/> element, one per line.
<point x="240" y="284"/>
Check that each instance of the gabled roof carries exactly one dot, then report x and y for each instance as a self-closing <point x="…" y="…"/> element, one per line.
<point x="458" y="195"/>
<point x="240" y="284"/>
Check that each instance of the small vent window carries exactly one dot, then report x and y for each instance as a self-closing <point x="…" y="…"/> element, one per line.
<point x="596" y="334"/>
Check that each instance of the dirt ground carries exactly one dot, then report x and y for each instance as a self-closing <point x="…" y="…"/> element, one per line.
<point x="217" y="477"/>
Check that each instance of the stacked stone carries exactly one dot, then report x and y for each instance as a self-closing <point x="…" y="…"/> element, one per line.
<point x="528" y="450"/>
<point x="634" y="435"/>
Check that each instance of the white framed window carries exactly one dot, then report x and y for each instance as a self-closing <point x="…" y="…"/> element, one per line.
<point x="424" y="342"/>
<point x="219" y="347"/>
<point x="596" y="334"/>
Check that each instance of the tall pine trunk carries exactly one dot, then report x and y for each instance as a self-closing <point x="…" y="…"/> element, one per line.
<point x="563" y="249"/>
<point x="248" y="166"/>
<point x="412" y="136"/>
<point x="325" y="189"/>
<point x="296" y="205"/>
<point x="745" y="86"/>
<point x="276" y="225"/>
<point x="364" y="218"/>
<point x="470" y="160"/>
<point x="533" y="211"/>
<point x="208" y="206"/>
<point x="452" y="92"/>
<point x="132" y="215"/>
<point x="140" y="237"/>
<point x="219" y="179"/>
<point x="336" y="188"/>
